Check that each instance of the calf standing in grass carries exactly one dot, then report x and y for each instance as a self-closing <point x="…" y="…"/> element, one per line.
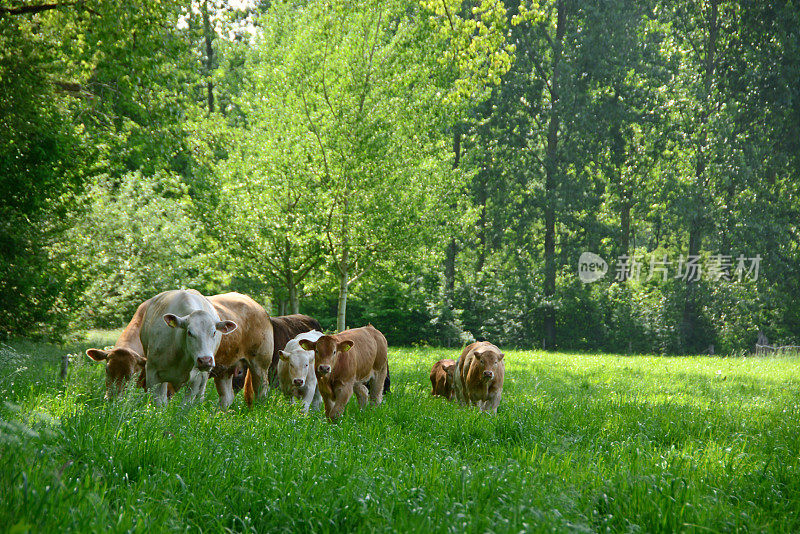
<point x="124" y="359"/>
<point x="348" y="362"/>
<point x="442" y="378"/>
<point x="296" y="374"/>
<point x="479" y="376"/>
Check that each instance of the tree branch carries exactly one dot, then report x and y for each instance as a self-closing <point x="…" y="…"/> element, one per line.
<point x="32" y="10"/>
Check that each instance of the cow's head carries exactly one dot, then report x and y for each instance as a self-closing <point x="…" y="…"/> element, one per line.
<point x="202" y="333"/>
<point x="297" y="361"/>
<point x="326" y="352"/>
<point x="121" y="365"/>
<point x="488" y="361"/>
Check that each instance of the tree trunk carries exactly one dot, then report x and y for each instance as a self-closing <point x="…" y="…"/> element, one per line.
<point x="294" y="300"/>
<point x="209" y="56"/>
<point x="342" y="306"/>
<point x="452" y="246"/>
<point x="551" y="170"/>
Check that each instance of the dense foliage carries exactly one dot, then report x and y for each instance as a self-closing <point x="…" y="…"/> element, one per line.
<point x="436" y="168"/>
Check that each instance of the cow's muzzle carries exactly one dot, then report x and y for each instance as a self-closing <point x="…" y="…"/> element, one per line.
<point x="488" y="375"/>
<point x="205" y="363"/>
<point x="298" y="382"/>
<point x="324" y="369"/>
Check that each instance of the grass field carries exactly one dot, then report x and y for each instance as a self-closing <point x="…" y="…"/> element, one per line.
<point x="580" y="443"/>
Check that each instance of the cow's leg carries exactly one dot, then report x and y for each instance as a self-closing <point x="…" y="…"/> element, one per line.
<point x="259" y="378"/>
<point x="197" y="387"/>
<point x="343" y="395"/>
<point x="491" y="404"/>
<point x="316" y="400"/>
<point x="308" y="398"/>
<point x="156" y="386"/>
<point x="376" y="387"/>
<point x="361" y="393"/>
<point x="224" y="385"/>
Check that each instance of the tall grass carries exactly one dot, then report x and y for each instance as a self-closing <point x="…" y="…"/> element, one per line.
<point x="580" y="443"/>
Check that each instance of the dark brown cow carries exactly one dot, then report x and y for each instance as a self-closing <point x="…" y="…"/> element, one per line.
<point x="125" y="358"/>
<point x="251" y="342"/>
<point x="479" y="376"/>
<point x="442" y="378"/>
<point x="348" y="362"/>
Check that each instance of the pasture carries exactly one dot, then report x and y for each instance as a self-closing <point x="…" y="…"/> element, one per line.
<point x="580" y="443"/>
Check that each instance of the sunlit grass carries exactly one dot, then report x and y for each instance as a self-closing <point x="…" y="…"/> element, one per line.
<point x="581" y="442"/>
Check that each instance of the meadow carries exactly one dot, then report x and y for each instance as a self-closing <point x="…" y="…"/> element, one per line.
<point x="581" y="443"/>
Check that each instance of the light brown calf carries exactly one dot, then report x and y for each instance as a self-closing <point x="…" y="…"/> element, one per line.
<point x="251" y="341"/>
<point x="442" y="378"/>
<point x="125" y="358"/>
<point x="349" y="362"/>
<point x="479" y="376"/>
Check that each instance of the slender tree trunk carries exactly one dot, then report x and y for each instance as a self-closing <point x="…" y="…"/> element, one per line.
<point x="344" y="273"/>
<point x="551" y="180"/>
<point x="452" y="246"/>
<point x="294" y="300"/>
<point x="209" y="56"/>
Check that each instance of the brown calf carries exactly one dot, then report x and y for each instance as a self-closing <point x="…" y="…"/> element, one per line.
<point x="252" y="342"/>
<point x="349" y="362"/>
<point x="125" y="358"/>
<point x="479" y="375"/>
<point x="442" y="378"/>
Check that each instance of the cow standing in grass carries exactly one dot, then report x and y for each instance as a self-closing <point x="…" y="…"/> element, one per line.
<point x="296" y="375"/>
<point x="479" y="376"/>
<point x="442" y="379"/>
<point x="348" y="362"/>
<point x="251" y="342"/>
<point x="124" y="359"/>
<point x="284" y="329"/>
<point x="180" y="335"/>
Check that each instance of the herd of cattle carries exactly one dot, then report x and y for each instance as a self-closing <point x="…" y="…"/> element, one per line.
<point x="181" y="337"/>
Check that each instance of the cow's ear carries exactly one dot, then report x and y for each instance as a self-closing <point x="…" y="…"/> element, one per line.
<point x="500" y="357"/>
<point x="173" y="321"/>
<point x="226" y="327"/>
<point x="97" y="354"/>
<point x="344" y="346"/>
<point x="283" y="355"/>
<point x="307" y="344"/>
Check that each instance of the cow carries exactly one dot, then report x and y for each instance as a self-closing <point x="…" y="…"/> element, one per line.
<point x="442" y="378"/>
<point x="479" y="376"/>
<point x="296" y="374"/>
<point x="284" y="329"/>
<point x="250" y="343"/>
<point x="180" y="335"/>
<point x="348" y="362"/>
<point x="124" y="359"/>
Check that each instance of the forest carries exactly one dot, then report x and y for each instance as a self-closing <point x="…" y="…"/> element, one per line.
<point x="599" y="175"/>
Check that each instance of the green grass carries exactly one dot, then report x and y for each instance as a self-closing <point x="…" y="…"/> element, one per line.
<point x="580" y="443"/>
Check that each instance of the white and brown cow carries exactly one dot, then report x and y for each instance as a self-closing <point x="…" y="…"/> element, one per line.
<point x="349" y="362"/>
<point x="296" y="375"/>
<point x="478" y="377"/>
<point x="180" y="335"/>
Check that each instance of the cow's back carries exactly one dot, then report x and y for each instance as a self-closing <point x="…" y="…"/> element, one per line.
<point x="369" y="351"/>
<point x="254" y="327"/>
<point x="129" y="338"/>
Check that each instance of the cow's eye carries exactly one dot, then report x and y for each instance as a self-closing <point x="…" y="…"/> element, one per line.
<point x="189" y="333"/>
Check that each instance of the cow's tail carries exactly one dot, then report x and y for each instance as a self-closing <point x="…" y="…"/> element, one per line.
<point x="248" y="389"/>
